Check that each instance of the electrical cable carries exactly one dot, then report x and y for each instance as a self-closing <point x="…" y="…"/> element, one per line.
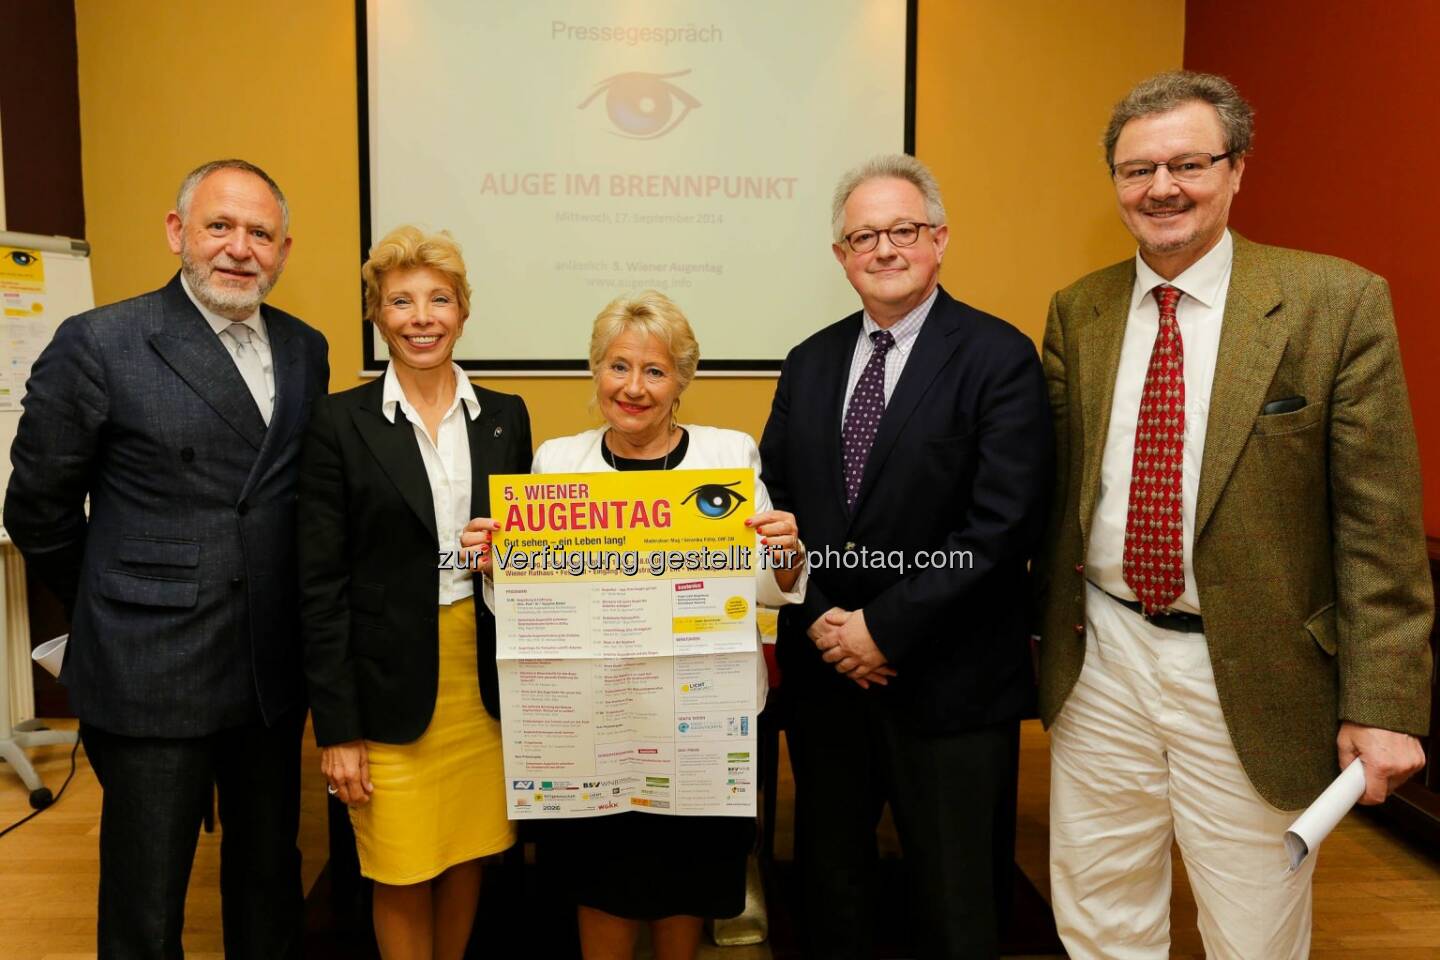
<point x="35" y="813"/>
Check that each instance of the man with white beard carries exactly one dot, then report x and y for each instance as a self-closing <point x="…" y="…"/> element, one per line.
<point x="179" y="414"/>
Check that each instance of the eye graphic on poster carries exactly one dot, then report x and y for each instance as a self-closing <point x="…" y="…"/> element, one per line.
<point x="715" y="501"/>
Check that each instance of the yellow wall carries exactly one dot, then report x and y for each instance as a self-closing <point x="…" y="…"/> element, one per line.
<point x="1011" y="100"/>
<point x="166" y="86"/>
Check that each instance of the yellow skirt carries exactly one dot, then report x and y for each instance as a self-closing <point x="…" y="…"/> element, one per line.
<point x="438" y="801"/>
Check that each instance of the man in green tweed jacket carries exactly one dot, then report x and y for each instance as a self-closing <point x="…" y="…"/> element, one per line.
<point x="1237" y="599"/>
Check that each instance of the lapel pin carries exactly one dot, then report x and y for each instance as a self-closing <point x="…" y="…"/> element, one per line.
<point x="499" y="430"/>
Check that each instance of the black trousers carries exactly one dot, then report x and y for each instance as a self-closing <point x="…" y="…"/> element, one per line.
<point x="155" y="793"/>
<point x="951" y="796"/>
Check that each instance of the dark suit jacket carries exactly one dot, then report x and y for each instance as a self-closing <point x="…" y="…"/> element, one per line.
<point x="181" y="582"/>
<point x="962" y="461"/>
<point x="1309" y="550"/>
<point x="368" y="562"/>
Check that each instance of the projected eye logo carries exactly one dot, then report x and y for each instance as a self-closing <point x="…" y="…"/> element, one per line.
<point x="641" y="105"/>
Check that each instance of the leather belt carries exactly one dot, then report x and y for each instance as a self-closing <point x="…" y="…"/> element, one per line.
<point x="1165" y="620"/>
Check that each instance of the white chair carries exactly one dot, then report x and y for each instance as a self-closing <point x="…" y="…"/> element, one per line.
<point x="15" y="679"/>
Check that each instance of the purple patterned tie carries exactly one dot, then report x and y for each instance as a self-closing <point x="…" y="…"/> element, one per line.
<point x="862" y="417"/>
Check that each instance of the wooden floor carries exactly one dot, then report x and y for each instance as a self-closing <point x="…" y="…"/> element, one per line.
<point x="49" y="867"/>
<point x="1376" y="898"/>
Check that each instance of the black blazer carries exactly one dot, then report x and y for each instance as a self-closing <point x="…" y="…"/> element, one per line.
<point x="368" y="562"/>
<point x="181" y="580"/>
<point x="962" y="461"/>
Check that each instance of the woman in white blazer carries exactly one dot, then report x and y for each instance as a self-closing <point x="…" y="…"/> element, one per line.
<point x="671" y="872"/>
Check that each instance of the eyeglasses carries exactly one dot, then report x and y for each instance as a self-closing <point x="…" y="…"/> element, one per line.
<point x="902" y="234"/>
<point x="1188" y="167"/>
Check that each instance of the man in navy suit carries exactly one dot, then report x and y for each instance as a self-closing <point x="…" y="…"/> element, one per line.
<point x="179" y="414"/>
<point x="912" y="442"/>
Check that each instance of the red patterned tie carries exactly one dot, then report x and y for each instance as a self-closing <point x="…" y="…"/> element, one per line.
<point x="1154" y="526"/>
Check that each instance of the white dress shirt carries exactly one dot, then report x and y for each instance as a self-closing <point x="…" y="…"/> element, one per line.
<point x="259" y="341"/>
<point x="1204" y="287"/>
<point x="904" y="330"/>
<point x="447" y="465"/>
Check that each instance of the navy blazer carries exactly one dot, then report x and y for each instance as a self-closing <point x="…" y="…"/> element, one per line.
<point x="368" y="562"/>
<point x="181" y="581"/>
<point x="962" y="461"/>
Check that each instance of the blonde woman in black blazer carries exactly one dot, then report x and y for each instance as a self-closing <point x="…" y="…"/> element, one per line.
<point x="399" y="656"/>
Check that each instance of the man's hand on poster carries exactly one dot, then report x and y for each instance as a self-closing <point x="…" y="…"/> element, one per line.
<point x="1390" y="757"/>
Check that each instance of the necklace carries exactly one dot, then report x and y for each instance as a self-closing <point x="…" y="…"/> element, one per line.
<point x="608" y="455"/>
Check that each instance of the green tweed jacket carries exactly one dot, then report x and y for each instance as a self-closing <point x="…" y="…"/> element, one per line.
<point x="1309" y="552"/>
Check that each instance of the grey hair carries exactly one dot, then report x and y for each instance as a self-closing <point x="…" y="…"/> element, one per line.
<point x="888" y="166"/>
<point x="1166" y="91"/>
<point x="192" y="180"/>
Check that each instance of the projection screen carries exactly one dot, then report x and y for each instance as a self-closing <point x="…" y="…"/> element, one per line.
<point x="580" y="150"/>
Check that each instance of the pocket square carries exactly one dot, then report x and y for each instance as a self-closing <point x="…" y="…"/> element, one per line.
<point x="1283" y="405"/>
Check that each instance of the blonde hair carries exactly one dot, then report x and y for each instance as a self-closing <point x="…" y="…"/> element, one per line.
<point x="653" y="314"/>
<point x="406" y="248"/>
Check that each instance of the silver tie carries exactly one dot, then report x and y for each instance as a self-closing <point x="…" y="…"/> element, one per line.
<point x="251" y="367"/>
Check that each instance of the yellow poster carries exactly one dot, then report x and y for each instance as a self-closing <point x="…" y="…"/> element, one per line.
<point x="23" y="328"/>
<point x="626" y="641"/>
<point x="659" y="523"/>
<point x="21" y="269"/>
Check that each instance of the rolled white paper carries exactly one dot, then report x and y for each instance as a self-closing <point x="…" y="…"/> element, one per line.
<point x="51" y="654"/>
<point x="1315" y="824"/>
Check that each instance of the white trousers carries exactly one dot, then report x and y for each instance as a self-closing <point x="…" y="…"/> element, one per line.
<point x="1139" y="754"/>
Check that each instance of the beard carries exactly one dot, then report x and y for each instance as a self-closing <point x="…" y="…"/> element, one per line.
<point x="230" y="302"/>
<point x="1170" y="244"/>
